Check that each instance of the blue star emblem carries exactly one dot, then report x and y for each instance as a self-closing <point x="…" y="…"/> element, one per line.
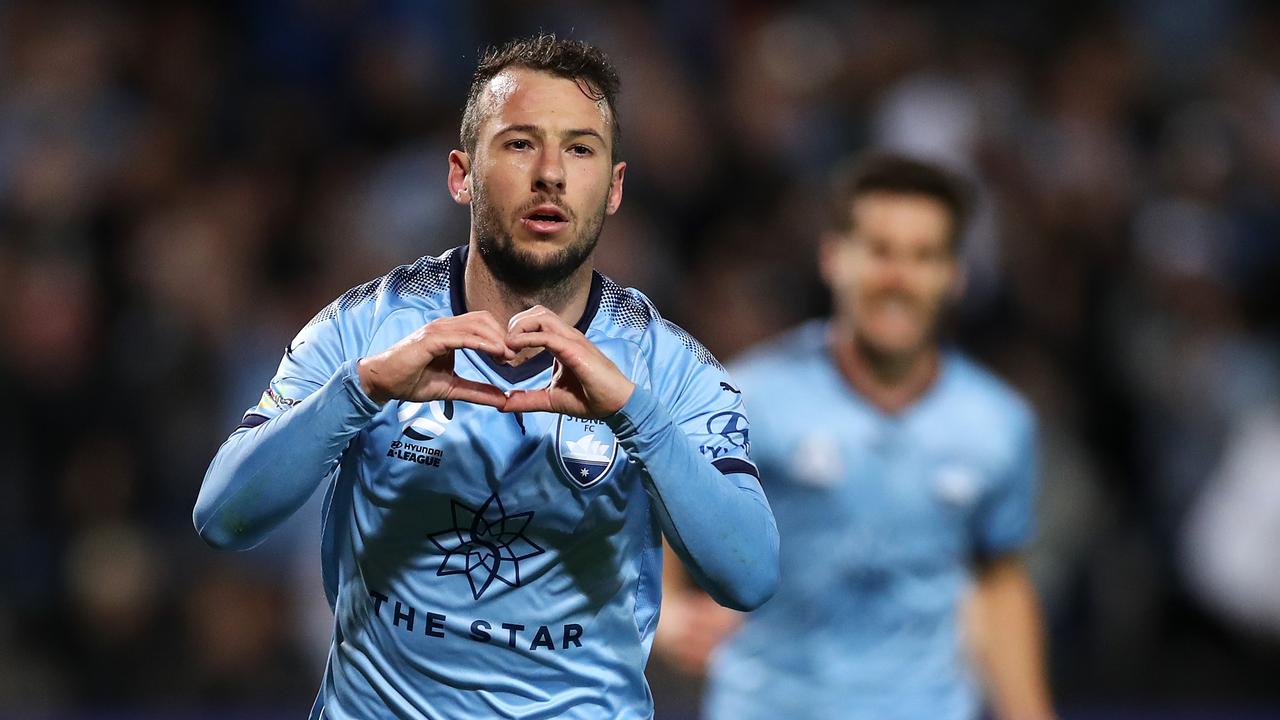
<point x="485" y="545"/>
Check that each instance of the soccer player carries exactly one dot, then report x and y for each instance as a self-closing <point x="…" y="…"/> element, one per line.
<point x="900" y="473"/>
<point x="504" y="437"/>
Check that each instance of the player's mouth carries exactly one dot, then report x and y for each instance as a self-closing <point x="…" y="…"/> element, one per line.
<point x="897" y="306"/>
<point x="545" y="219"/>
<point x="896" y="309"/>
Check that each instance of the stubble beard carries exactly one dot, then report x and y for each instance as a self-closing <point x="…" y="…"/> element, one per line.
<point x="525" y="273"/>
<point x="890" y="360"/>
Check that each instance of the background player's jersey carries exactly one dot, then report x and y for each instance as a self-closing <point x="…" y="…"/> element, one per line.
<point x="880" y="516"/>
<point x="483" y="564"/>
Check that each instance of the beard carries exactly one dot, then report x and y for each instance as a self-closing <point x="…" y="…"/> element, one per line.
<point x="526" y="272"/>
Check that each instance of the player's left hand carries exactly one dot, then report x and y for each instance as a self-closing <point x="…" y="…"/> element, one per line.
<point x="584" y="383"/>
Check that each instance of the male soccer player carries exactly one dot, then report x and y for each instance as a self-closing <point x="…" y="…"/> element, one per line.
<point x="898" y="472"/>
<point x="504" y="436"/>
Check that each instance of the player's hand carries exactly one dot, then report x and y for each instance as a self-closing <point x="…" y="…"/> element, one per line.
<point x="692" y="627"/>
<point x="584" y="383"/>
<point x="419" y="368"/>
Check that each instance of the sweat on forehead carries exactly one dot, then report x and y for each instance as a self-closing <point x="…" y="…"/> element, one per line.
<point x="488" y="96"/>
<point x="502" y="86"/>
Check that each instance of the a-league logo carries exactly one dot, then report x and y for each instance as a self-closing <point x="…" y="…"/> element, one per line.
<point x="429" y="425"/>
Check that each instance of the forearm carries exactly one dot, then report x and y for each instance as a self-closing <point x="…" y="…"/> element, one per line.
<point x="719" y="524"/>
<point x="1012" y="646"/>
<point x="693" y="625"/>
<point x="262" y="475"/>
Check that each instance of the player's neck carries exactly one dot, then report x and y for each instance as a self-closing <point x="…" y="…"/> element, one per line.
<point x="892" y="383"/>
<point x="484" y="291"/>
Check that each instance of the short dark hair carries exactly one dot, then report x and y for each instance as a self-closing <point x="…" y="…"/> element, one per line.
<point x="570" y="59"/>
<point x="899" y="174"/>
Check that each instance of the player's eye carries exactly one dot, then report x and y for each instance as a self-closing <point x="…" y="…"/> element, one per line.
<point x="519" y="144"/>
<point x="581" y="151"/>
<point x="931" y="255"/>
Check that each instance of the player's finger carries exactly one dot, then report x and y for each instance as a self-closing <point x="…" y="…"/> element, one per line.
<point x="528" y="401"/>
<point x="481" y="318"/>
<point x="544" y="322"/>
<point x="439" y="343"/>
<point x="539" y="318"/>
<point x="498" y="339"/>
<point x="534" y="311"/>
<point x="477" y="392"/>
<point x="482" y="324"/>
<point x="479" y="323"/>
<point x="491" y="330"/>
<point x="563" y="348"/>
<point x="519" y="359"/>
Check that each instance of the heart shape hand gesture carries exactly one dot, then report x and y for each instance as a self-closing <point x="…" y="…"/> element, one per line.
<point x="419" y="368"/>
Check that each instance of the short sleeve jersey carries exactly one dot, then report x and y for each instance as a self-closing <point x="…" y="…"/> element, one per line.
<point x="880" y="517"/>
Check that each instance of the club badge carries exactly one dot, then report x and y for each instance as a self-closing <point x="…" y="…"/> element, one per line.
<point x="585" y="449"/>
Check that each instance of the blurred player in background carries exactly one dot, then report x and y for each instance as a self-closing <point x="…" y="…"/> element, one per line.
<point x="504" y="436"/>
<point x="902" y="477"/>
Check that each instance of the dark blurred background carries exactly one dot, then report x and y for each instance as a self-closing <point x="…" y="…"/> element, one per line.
<point x="184" y="184"/>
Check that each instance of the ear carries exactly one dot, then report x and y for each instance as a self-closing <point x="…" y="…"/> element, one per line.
<point x="460" y="177"/>
<point x="615" y="188"/>
<point x="830" y="246"/>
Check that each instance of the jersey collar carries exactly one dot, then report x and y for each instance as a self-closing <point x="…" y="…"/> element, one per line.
<point x="537" y="363"/>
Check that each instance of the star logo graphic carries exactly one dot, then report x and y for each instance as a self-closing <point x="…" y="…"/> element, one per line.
<point x="485" y="545"/>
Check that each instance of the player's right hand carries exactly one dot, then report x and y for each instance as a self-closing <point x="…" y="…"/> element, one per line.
<point x="692" y="626"/>
<point x="419" y="368"/>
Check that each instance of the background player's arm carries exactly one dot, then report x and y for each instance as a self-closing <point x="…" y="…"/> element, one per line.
<point x="1008" y="633"/>
<point x="1008" y="638"/>
<point x="692" y="624"/>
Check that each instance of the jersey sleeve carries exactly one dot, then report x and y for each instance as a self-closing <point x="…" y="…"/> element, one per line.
<point x="310" y="359"/>
<point x="291" y="441"/>
<point x="704" y="401"/>
<point x="686" y="431"/>
<point x="1006" y="514"/>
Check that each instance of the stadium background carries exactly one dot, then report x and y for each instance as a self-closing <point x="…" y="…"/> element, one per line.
<point x="183" y="184"/>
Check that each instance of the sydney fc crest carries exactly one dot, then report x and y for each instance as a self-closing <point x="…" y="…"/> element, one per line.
<point x="585" y="449"/>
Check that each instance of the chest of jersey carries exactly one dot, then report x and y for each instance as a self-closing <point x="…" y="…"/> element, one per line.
<point x="459" y="502"/>
<point x="426" y="454"/>
<point x="423" y="454"/>
<point x="875" y="490"/>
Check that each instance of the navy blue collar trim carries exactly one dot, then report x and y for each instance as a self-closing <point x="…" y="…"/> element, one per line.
<point x="537" y="363"/>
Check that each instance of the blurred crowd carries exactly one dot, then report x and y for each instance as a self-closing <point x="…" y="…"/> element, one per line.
<point x="184" y="184"/>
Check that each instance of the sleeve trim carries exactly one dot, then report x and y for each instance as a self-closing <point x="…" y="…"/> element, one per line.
<point x="252" y="420"/>
<point x="736" y="465"/>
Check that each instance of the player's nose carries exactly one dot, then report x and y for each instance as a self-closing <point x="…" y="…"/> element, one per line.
<point x="892" y="274"/>
<point x="549" y="173"/>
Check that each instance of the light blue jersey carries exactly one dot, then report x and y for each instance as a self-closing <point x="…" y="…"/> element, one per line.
<point x="880" y="517"/>
<point x="483" y="564"/>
